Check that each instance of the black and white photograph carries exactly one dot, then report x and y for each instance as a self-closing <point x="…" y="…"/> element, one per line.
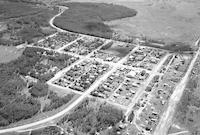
<point x="99" y="67"/>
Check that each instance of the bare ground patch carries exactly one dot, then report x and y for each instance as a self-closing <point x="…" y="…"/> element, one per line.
<point x="9" y="53"/>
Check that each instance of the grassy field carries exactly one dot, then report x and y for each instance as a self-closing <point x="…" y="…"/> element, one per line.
<point x="167" y="20"/>
<point x="8" y="54"/>
<point x="88" y="18"/>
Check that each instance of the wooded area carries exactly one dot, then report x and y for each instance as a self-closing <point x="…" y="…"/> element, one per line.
<point x="14" y="104"/>
<point x="90" y="117"/>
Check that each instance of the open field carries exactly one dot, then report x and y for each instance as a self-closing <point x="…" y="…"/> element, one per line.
<point x="9" y="53"/>
<point x="172" y="20"/>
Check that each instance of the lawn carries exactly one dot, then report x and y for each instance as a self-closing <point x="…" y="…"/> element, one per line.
<point x="88" y="18"/>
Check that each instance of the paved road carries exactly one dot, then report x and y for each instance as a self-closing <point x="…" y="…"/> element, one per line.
<point x="166" y="119"/>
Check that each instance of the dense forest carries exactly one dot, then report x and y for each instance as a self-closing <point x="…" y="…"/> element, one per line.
<point x="91" y="117"/>
<point x="14" y="104"/>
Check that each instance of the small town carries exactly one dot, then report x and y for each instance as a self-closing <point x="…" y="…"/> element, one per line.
<point x="141" y="81"/>
<point x="97" y="67"/>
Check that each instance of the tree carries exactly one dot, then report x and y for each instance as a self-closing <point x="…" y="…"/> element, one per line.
<point x="20" y="110"/>
<point x="3" y="122"/>
<point x="39" y="89"/>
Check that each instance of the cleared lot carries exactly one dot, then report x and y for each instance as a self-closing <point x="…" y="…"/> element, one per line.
<point x="9" y="53"/>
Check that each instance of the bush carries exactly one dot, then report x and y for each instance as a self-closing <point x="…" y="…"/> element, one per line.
<point x="57" y="101"/>
<point x="39" y="90"/>
<point x="3" y="122"/>
<point x="173" y="47"/>
<point x="107" y="46"/>
<point x="20" y="110"/>
<point x="89" y="117"/>
<point x="178" y="47"/>
<point x="47" y="131"/>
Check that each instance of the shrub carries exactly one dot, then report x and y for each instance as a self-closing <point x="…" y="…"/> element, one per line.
<point x="39" y="90"/>
<point x="88" y="118"/>
<point x="57" y="101"/>
<point x="20" y="110"/>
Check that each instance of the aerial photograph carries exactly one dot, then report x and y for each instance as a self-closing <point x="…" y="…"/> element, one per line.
<point x="99" y="67"/>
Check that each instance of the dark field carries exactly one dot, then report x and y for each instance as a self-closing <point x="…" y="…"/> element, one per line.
<point x="88" y="18"/>
<point x="17" y="9"/>
<point x="120" y="50"/>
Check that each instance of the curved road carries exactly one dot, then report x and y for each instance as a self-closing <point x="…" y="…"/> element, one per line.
<point x="75" y="103"/>
<point x="176" y="96"/>
<point x="61" y="10"/>
<point x="71" y="106"/>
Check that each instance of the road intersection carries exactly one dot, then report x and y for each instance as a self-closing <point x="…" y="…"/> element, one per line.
<point x="166" y="118"/>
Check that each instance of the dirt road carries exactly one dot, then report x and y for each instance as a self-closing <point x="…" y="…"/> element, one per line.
<point x="166" y="119"/>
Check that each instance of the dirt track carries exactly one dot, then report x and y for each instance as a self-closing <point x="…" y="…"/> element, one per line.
<point x="166" y="119"/>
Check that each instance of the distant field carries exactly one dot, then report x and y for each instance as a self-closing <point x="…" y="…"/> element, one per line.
<point x="16" y="9"/>
<point x="167" y="20"/>
<point x="88" y="18"/>
<point x="8" y="54"/>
